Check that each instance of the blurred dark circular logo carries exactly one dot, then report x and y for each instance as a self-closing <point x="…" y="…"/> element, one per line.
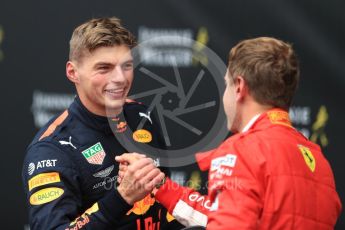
<point x="185" y="101"/>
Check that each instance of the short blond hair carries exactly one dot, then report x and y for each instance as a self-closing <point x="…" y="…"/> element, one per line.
<point x="98" y="32"/>
<point x="270" y="68"/>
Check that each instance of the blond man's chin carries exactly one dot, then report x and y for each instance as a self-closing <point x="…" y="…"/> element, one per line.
<point x="114" y="107"/>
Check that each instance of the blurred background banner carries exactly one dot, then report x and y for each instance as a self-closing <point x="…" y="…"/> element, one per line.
<point x="34" y="38"/>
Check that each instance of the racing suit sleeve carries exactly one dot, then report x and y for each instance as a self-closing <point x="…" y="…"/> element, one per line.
<point x="237" y="191"/>
<point x="51" y="182"/>
<point x="235" y="210"/>
<point x="168" y="222"/>
<point x="189" y="207"/>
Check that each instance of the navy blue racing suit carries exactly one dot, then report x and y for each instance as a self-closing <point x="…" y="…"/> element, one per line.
<point x="69" y="173"/>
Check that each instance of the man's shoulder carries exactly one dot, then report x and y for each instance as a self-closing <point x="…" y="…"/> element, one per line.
<point x="66" y="131"/>
<point x="51" y="140"/>
<point x="143" y="118"/>
<point x="252" y="138"/>
<point x="48" y="149"/>
<point x="248" y="144"/>
<point x="133" y="106"/>
<point x="136" y="111"/>
<point x="52" y="127"/>
<point x="45" y="156"/>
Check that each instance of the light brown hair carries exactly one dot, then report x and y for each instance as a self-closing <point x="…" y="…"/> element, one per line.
<point x="97" y="33"/>
<point x="270" y="68"/>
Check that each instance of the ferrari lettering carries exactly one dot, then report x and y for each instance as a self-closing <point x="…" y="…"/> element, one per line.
<point x="206" y="203"/>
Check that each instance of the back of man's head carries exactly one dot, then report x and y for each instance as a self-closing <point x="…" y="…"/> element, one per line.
<point x="270" y="68"/>
<point x="99" y="32"/>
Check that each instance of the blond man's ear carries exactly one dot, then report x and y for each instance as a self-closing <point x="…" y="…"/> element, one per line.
<point x="71" y="72"/>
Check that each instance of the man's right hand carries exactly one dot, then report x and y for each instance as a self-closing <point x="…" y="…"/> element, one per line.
<point x="124" y="160"/>
<point x="140" y="177"/>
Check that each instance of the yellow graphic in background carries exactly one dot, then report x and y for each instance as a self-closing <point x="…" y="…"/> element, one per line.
<point x="318" y="127"/>
<point x="308" y="157"/>
<point x="2" y="35"/>
<point x="198" y="47"/>
<point x="195" y="180"/>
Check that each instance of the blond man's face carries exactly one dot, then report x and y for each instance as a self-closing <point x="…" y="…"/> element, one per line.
<point x="105" y="77"/>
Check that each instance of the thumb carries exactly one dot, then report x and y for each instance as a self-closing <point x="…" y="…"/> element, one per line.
<point x="129" y="157"/>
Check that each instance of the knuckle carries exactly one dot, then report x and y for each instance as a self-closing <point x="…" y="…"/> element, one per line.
<point x="131" y="170"/>
<point x="155" y="171"/>
<point x="148" y="160"/>
<point x="137" y="176"/>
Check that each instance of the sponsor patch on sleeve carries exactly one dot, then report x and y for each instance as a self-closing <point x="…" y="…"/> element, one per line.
<point x="43" y="179"/>
<point x="229" y="160"/>
<point x="45" y="195"/>
<point x="222" y="166"/>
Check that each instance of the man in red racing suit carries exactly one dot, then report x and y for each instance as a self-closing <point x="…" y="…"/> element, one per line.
<point x="267" y="175"/>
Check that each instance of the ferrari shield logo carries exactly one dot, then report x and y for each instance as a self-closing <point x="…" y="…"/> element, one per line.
<point x="308" y="157"/>
<point x="95" y="154"/>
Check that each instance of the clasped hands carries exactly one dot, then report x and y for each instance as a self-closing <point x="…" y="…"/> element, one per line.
<point x="138" y="176"/>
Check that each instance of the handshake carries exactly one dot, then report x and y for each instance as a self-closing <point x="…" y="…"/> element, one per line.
<point x="138" y="176"/>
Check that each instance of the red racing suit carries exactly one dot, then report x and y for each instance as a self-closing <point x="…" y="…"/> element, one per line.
<point x="268" y="177"/>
